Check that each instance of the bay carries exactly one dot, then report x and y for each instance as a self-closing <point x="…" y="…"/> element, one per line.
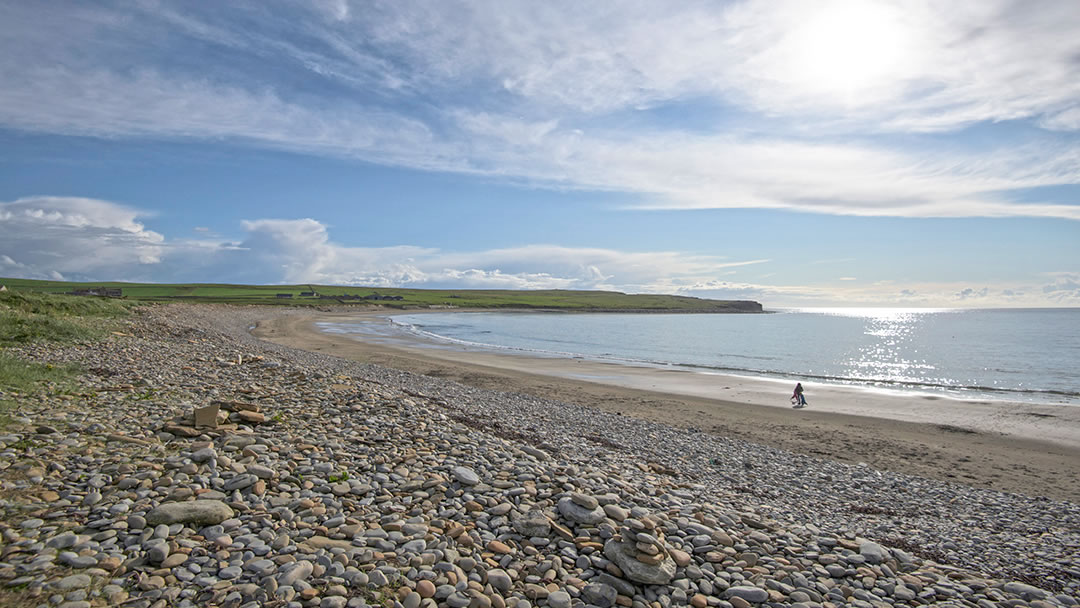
<point x="1009" y="354"/>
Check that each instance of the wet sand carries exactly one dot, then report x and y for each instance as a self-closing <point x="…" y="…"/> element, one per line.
<point x="1014" y="447"/>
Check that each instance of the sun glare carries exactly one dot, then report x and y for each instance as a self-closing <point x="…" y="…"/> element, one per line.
<point x="846" y="49"/>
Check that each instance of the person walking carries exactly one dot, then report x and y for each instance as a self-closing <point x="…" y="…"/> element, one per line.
<point x="797" y="397"/>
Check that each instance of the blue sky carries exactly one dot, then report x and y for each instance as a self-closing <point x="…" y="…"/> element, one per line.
<point x="830" y="153"/>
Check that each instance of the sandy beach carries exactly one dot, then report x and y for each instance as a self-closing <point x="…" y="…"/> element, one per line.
<point x="1009" y="446"/>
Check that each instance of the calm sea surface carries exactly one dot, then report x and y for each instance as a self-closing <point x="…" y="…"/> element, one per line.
<point x="1026" y="355"/>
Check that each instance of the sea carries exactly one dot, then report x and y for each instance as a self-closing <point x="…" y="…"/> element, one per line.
<point x="1030" y="355"/>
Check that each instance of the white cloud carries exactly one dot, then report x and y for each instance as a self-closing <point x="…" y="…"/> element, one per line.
<point x="1064" y="290"/>
<point x="520" y="91"/>
<point x="681" y="170"/>
<point x="927" y="65"/>
<point x="1066" y="120"/>
<point x="44" y="235"/>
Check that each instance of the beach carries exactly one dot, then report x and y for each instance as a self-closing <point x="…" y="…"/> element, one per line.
<point x="337" y="476"/>
<point x="1009" y="446"/>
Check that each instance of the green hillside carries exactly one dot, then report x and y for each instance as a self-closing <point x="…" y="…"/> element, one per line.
<point x="556" y="299"/>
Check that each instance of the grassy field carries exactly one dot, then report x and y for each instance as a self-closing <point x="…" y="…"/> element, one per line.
<point x="410" y="298"/>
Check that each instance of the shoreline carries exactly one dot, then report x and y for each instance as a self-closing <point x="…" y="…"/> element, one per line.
<point x="1008" y="446"/>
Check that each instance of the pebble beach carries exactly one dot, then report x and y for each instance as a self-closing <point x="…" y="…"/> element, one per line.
<point x="327" y="482"/>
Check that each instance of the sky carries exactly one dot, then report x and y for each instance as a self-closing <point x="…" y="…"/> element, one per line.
<point x="841" y="152"/>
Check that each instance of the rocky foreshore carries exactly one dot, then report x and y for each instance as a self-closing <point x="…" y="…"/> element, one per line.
<point x="323" y="482"/>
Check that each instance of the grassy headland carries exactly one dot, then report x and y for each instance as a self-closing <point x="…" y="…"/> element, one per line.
<point x="556" y="299"/>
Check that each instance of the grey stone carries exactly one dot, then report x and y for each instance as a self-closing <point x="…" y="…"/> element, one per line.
<point x="200" y="512"/>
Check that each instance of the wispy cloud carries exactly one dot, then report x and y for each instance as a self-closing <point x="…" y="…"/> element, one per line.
<point x="542" y="93"/>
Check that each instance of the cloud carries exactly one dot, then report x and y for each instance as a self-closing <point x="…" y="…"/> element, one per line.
<point x="86" y="239"/>
<point x="48" y="236"/>
<point x="540" y="94"/>
<point x="675" y="170"/>
<point x="1064" y="290"/>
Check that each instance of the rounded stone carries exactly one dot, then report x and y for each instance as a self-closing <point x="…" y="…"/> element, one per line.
<point x="426" y="588"/>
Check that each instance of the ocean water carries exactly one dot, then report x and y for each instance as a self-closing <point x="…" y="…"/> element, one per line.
<point x="1025" y="355"/>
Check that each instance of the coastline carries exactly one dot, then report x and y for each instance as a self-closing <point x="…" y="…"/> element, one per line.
<point x="315" y="459"/>
<point x="1008" y="446"/>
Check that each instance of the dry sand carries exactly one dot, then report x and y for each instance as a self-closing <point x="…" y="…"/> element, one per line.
<point x="1008" y="446"/>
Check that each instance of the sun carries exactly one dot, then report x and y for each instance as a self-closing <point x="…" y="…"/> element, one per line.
<point x="847" y="49"/>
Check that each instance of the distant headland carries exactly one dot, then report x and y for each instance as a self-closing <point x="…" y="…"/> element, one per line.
<point x="322" y="295"/>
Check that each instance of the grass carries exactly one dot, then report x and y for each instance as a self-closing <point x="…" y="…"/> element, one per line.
<point x="19" y="376"/>
<point x="554" y="299"/>
<point x="20" y="597"/>
<point x="34" y="318"/>
<point x="28" y="317"/>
